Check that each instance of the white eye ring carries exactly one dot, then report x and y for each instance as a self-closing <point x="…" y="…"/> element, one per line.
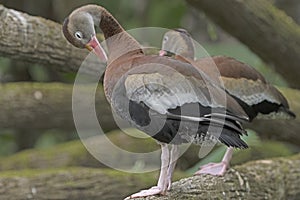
<point x="166" y="38"/>
<point x="78" y="35"/>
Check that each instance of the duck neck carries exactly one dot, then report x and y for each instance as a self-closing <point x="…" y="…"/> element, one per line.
<point x="118" y="41"/>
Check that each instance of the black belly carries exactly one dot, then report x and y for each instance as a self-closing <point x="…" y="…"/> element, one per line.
<point x="175" y="131"/>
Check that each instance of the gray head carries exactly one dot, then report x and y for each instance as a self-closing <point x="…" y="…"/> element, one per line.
<point x="79" y="28"/>
<point x="179" y="42"/>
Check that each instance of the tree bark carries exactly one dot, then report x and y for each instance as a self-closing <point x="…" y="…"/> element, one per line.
<point x="37" y="40"/>
<point x="266" y="30"/>
<point x="271" y="34"/>
<point x="265" y="179"/>
<point x="71" y="183"/>
<point x="45" y="106"/>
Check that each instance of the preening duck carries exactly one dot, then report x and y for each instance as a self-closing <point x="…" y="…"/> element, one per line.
<point x="166" y="98"/>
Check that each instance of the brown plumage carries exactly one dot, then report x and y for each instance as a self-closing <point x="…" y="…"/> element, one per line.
<point x="166" y="98"/>
<point x="257" y="97"/>
<point x="244" y="83"/>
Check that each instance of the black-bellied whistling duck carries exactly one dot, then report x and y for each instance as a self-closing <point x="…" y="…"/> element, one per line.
<point x="247" y="86"/>
<point x="166" y="98"/>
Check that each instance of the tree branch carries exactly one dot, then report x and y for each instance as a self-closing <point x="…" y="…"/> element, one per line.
<point x="46" y="106"/>
<point x="71" y="183"/>
<point x="37" y="40"/>
<point x="266" y="30"/>
<point x="263" y="179"/>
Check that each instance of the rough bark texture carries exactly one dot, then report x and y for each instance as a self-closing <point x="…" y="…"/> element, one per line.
<point x="266" y="30"/>
<point x="71" y="183"/>
<point x="264" y="179"/>
<point x="45" y="106"/>
<point x="37" y="40"/>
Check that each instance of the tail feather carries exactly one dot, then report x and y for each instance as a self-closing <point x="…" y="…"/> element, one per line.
<point x="231" y="129"/>
<point x="231" y="139"/>
<point x="226" y="122"/>
<point x="228" y="116"/>
<point x="288" y="112"/>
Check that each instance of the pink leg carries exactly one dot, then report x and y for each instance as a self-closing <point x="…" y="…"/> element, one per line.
<point x="217" y="169"/>
<point x="173" y="160"/>
<point x="162" y="184"/>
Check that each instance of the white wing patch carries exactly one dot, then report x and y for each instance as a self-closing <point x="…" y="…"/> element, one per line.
<point x="250" y="91"/>
<point x="161" y="93"/>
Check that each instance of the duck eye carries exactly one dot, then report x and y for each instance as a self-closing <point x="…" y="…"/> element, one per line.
<point x="78" y="35"/>
<point x="166" y="38"/>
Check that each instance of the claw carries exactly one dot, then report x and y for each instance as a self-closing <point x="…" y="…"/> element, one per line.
<point x="144" y="193"/>
<point x="169" y="183"/>
<point x="216" y="169"/>
<point x="165" y="178"/>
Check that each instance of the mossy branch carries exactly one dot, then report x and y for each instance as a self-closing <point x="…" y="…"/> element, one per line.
<point x="46" y="106"/>
<point x="277" y="178"/>
<point x="266" y="30"/>
<point x="265" y="179"/>
<point x="71" y="183"/>
<point x="37" y="40"/>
